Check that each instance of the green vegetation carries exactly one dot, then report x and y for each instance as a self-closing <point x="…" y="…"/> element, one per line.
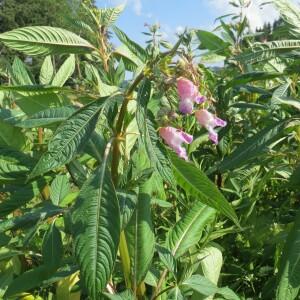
<point x="137" y="172"/>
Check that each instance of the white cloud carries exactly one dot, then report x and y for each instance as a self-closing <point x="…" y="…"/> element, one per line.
<point x="179" y="29"/>
<point x="166" y="31"/>
<point x="137" y="6"/>
<point x="170" y="33"/>
<point x="257" y="14"/>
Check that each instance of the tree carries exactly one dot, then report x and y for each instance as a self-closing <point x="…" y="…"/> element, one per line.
<point x="20" y="13"/>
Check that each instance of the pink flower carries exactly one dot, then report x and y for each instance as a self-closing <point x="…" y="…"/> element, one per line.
<point x="174" y="138"/>
<point x="189" y="95"/>
<point x="209" y="121"/>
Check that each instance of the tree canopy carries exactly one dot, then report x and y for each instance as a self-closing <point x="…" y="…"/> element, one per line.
<point x="20" y="13"/>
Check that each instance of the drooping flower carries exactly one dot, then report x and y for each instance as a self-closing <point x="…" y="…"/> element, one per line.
<point x="174" y="138"/>
<point x="209" y="121"/>
<point x="188" y="94"/>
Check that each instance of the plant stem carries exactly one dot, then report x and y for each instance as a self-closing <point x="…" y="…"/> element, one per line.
<point x="123" y="249"/>
<point x="163" y="291"/>
<point x="159" y="284"/>
<point x="40" y="135"/>
<point x="119" y="126"/>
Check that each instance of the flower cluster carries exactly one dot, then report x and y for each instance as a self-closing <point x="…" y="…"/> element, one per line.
<point x="189" y="95"/>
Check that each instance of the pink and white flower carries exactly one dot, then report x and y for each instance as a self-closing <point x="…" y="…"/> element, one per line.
<point x="174" y="138"/>
<point x="209" y="121"/>
<point x="189" y="95"/>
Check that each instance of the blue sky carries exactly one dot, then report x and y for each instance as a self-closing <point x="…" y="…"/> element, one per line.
<point x="171" y="14"/>
<point x="174" y="15"/>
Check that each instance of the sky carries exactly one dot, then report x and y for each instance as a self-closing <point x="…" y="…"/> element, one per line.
<point x="175" y="15"/>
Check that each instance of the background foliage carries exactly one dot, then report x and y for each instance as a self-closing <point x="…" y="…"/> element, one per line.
<point x="94" y="205"/>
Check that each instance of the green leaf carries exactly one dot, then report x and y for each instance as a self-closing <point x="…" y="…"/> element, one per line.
<point x="36" y="103"/>
<point x="210" y="265"/>
<point x="77" y="172"/>
<point x="175" y="294"/>
<point x="61" y="274"/>
<point x="32" y="90"/>
<point x="290" y="13"/>
<point x="44" y="40"/>
<point x="31" y="218"/>
<point x="133" y="47"/>
<point x="167" y="258"/>
<point x="294" y="180"/>
<point x="140" y="237"/>
<point x="253" y="147"/>
<point x="195" y="182"/>
<point x="6" y="253"/>
<point x="187" y="231"/>
<point x="253" y="76"/>
<point x="126" y="295"/>
<point x="96" y="230"/>
<point x="19" y="198"/>
<point x="28" y="280"/>
<point x="211" y="261"/>
<point x="14" y="165"/>
<point x="108" y="16"/>
<point x="228" y="294"/>
<point x="211" y="41"/>
<point x="211" y="58"/>
<point x="47" y="71"/>
<point x="93" y="75"/>
<point x="70" y="137"/>
<point x="96" y="146"/>
<point x="11" y="136"/>
<point x="20" y="73"/>
<point x="161" y="203"/>
<point x="281" y="91"/>
<point x="131" y="61"/>
<point x="52" y="248"/>
<point x="59" y="189"/>
<point x="205" y="287"/>
<point x="47" y="117"/>
<point x="5" y="279"/>
<point x="288" y="276"/>
<point x="11" y="116"/>
<point x="32" y="99"/>
<point x="157" y="154"/>
<point x="246" y="105"/>
<point x="65" y="72"/>
<point x="201" y="285"/>
<point x="267" y="51"/>
<point x="152" y="277"/>
<point x="119" y="73"/>
<point x="127" y="202"/>
<point x="289" y="101"/>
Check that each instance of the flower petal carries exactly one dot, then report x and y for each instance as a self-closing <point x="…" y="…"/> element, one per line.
<point x="200" y="99"/>
<point x="186" y="106"/>
<point x="187" y="137"/>
<point x="213" y="136"/>
<point x="181" y="152"/>
<point x="220" y="122"/>
<point x="204" y="118"/>
<point x="186" y="89"/>
<point x="174" y="138"/>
